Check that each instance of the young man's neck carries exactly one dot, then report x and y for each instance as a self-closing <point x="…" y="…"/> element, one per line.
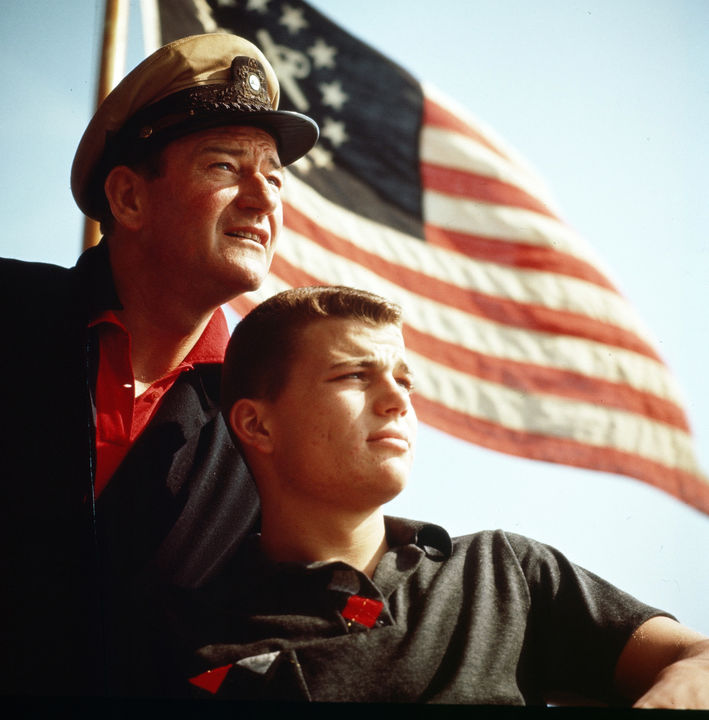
<point x="357" y="539"/>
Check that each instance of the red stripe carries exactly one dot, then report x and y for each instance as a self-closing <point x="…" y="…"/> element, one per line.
<point x="514" y="254"/>
<point x="536" y="379"/>
<point x="438" y="116"/>
<point x="460" y="183"/>
<point x="683" y="485"/>
<point x="508" y="312"/>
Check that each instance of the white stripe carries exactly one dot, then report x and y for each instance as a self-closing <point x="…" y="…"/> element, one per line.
<point x="502" y="222"/>
<point x="532" y="181"/>
<point x="593" y="359"/>
<point x="594" y="425"/>
<point x="459" y="152"/>
<point x="550" y="290"/>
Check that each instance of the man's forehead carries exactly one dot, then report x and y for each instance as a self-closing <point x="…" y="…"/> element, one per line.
<point x="343" y="339"/>
<point x="241" y="138"/>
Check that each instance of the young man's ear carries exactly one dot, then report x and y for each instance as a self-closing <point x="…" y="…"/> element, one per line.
<point x="123" y="188"/>
<point x="246" y="419"/>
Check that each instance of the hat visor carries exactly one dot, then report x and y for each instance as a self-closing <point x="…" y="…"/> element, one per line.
<point x="295" y="134"/>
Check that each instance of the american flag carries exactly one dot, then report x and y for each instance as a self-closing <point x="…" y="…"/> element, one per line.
<point x="519" y="341"/>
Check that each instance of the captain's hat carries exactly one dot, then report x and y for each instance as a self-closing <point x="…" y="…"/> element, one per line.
<point x="191" y="84"/>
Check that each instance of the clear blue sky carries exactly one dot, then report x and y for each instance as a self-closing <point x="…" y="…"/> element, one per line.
<point x="607" y="99"/>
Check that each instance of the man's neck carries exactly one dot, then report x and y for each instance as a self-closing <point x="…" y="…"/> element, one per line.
<point x="357" y="539"/>
<point x="162" y="328"/>
<point x="158" y="347"/>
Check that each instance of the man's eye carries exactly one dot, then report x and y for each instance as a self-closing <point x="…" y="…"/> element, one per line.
<point x="351" y="376"/>
<point x="406" y="383"/>
<point x="276" y="181"/>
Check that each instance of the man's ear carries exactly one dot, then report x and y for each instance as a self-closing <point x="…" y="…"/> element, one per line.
<point x="123" y="188"/>
<point x="247" y="421"/>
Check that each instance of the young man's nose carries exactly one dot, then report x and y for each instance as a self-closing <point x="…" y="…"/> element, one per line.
<point x="393" y="398"/>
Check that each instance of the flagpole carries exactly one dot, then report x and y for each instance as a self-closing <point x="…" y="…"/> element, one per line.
<point x="113" y="55"/>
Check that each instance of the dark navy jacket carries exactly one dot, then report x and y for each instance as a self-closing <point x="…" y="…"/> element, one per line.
<point x="77" y="577"/>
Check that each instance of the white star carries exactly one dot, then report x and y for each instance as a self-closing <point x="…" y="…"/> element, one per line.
<point x="303" y="164"/>
<point x="323" y="54"/>
<point x="293" y="19"/>
<point x="317" y="157"/>
<point x="321" y="158"/>
<point x="334" y="131"/>
<point x="260" y="6"/>
<point x="333" y="95"/>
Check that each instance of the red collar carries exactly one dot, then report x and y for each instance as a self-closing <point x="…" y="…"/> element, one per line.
<point x="209" y="348"/>
<point x="120" y="416"/>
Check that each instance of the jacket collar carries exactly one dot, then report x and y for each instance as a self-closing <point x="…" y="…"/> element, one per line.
<point x="96" y="279"/>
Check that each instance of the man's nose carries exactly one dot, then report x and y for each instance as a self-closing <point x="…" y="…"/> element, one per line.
<point x="257" y="193"/>
<point x="393" y="398"/>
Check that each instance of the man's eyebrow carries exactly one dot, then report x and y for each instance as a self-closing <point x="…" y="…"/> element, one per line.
<point x="273" y="160"/>
<point x="366" y="362"/>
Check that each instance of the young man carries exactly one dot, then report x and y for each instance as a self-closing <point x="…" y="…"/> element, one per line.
<point x="333" y="601"/>
<point x="113" y="441"/>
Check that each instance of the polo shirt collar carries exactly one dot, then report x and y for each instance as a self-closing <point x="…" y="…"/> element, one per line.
<point x="409" y="542"/>
<point x="432" y="539"/>
<point x="209" y="348"/>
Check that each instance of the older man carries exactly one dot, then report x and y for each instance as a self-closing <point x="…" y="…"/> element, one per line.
<point x="112" y="441"/>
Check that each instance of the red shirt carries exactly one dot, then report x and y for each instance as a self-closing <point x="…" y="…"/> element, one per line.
<point x="120" y="416"/>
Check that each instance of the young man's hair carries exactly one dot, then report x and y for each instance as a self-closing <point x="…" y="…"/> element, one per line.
<point x="264" y="344"/>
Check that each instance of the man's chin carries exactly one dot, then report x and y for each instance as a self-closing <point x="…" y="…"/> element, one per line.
<point x="246" y="279"/>
<point x="393" y="487"/>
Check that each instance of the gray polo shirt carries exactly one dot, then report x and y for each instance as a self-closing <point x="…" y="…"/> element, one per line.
<point x="491" y="618"/>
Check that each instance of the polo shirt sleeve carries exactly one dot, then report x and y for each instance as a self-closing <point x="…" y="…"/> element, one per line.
<point x="578" y="623"/>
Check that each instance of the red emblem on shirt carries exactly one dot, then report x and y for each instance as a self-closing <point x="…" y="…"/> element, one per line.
<point x="211" y="680"/>
<point x="362" y="610"/>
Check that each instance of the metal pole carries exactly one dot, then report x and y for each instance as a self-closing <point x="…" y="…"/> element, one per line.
<point x="113" y="54"/>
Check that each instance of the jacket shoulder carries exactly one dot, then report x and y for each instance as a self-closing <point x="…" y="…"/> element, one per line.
<point x="23" y="279"/>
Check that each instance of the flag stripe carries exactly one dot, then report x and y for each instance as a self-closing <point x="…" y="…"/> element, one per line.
<point x="536" y="379"/>
<point x="515" y="254"/>
<point x="447" y="323"/>
<point x="509" y="415"/>
<point x="435" y="115"/>
<point x="442" y="116"/>
<point x="460" y="183"/>
<point x="445" y="147"/>
<point x="553" y="416"/>
<point x="681" y="484"/>
<point x="348" y="233"/>
<point x="498" y="221"/>
<point x="508" y="312"/>
<point x="520" y="376"/>
<point x="504" y="275"/>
